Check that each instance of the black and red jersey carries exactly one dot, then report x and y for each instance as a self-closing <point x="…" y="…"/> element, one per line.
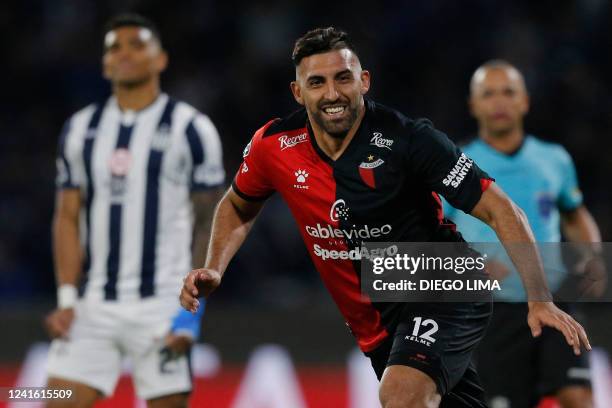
<point x="384" y="187"/>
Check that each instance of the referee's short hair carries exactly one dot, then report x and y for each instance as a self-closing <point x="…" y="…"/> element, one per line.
<point x="132" y="20"/>
<point x="318" y="41"/>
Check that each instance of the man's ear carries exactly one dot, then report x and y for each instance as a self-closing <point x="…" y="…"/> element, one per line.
<point x="525" y="104"/>
<point x="162" y="61"/>
<point x="470" y="105"/>
<point x="296" y="90"/>
<point x="365" y="81"/>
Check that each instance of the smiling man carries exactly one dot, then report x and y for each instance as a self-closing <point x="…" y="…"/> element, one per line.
<point x="357" y="171"/>
<point x="129" y="170"/>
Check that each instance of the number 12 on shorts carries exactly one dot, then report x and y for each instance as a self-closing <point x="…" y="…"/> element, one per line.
<point x="427" y="335"/>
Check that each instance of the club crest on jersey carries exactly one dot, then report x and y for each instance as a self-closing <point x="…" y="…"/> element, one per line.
<point x="379" y="141"/>
<point x="366" y="170"/>
<point x="120" y="162"/>
<point x="287" y="141"/>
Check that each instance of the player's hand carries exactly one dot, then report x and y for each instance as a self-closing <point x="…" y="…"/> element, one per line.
<point x="199" y="282"/>
<point x="594" y="278"/>
<point x="178" y="343"/>
<point x="547" y="314"/>
<point x="58" y="322"/>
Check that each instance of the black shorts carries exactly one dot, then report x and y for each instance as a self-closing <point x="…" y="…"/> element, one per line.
<point x="439" y="339"/>
<point x="516" y="369"/>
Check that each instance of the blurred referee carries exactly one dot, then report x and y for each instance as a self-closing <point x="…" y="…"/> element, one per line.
<point x="138" y="176"/>
<point x="540" y="177"/>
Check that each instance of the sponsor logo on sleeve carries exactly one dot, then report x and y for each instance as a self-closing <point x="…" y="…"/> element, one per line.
<point x="458" y="172"/>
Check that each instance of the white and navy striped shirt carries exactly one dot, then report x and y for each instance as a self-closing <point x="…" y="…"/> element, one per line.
<point x="135" y="171"/>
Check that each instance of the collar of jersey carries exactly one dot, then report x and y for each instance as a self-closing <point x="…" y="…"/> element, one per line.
<point x="509" y="156"/>
<point x="160" y="100"/>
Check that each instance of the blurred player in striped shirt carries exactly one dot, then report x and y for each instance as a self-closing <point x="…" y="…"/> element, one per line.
<point x="138" y="177"/>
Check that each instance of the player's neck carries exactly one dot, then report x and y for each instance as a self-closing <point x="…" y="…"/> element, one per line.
<point x="506" y="142"/>
<point x="333" y="146"/>
<point x="136" y="98"/>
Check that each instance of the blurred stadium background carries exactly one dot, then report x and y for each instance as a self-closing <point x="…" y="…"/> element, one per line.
<point x="272" y="328"/>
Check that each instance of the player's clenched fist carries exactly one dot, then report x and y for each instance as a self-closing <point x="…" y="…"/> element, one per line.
<point x="199" y="282"/>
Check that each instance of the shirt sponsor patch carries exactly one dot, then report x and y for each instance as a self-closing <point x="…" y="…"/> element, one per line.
<point x="458" y="172"/>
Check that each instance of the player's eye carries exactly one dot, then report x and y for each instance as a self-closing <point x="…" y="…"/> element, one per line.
<point x="113" y="48"/>
<point x="509" y="92"/>
<point x="487" y="94"/>
<point x="314" y="82"/>
<point x="345" y="78"/>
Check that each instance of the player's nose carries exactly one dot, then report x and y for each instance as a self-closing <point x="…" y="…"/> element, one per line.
<point x="124" y="54"/>
<point x="331" y="93"/>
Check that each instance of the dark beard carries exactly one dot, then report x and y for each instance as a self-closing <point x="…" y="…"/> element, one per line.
<point x="333" y="131"/>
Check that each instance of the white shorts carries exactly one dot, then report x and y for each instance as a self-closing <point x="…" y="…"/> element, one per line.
<point x="103" y="333"/>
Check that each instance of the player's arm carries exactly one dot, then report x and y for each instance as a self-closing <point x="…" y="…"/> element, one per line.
<point x="233" y="219"/>
<point x="511" y="226"/>
<point x="185" y="327"/>
<point x="203" y="203"/>
<point x="579" y="226"/>
<point x="67" y="257"/>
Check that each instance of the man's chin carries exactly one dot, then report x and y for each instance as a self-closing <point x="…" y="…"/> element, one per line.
<point x="130" y="82"/>
<point x="337" y="132"/>
<point x="501" y="131"/>
<point x="337" y="129"/>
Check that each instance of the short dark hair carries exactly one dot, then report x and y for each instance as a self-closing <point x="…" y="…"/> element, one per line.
<point x="318" y="41"/>
<point x="132" y="20"/>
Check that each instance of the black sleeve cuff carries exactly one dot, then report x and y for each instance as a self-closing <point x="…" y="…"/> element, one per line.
<point x="249" y="197"/>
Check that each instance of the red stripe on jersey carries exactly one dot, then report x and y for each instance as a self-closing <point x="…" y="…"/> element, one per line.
<point x="439" y="208"/>
<point x="311" y="209"/>
<point x="286" y="161"/>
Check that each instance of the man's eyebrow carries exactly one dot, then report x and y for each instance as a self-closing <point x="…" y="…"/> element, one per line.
<point x="343" y="72"/>
<point x="315" y="77"/>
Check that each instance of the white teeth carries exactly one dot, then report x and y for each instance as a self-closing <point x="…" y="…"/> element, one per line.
<point x="333" y="110"/>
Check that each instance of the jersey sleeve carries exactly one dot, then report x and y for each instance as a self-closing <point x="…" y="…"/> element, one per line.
<point x="444" y="168"/>
<point x="252" y="182"/>
<point x="206" y="154"/>
<point x="69" y="164"/>
<point x="570" y="196"/>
